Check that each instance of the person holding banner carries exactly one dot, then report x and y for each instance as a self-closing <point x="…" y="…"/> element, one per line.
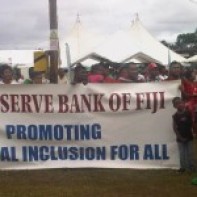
<point x="175" y="71"/>
<point x="96" y="74"/>
<point x="152" y="73"/>
<point x="62" y="76"/>
<point x="123" y="75"/>
<point x="80" y="75"/>
<point x="107" y="73"/>
<point x="36" y="77"/>
<point x="134" y="74"/>
<point x="183" y="128"/>
<point x="7" y="75"/>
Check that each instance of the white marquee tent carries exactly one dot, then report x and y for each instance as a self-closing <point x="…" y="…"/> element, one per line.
<point x="152" y="47"/>
<point x="135" y="44"/>
<point x="80" y="41"/>
<point x="138" y="43"/>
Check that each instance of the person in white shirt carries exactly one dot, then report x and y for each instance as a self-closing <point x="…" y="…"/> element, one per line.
<point x="163" y="73"/>
<point x="62" y="76"/>
<point x="134" y="74"/>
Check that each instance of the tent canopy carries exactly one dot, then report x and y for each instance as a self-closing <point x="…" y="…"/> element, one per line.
<point x="136" y="40"/>
<point x="192" y="59"/>
<point x="80" y="41"/>
<point x="120" y="46"/>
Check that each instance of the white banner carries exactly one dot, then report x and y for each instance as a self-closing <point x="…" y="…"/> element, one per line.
<point x="97" y="125"/>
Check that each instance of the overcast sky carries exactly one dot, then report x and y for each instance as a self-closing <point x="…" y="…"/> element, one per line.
<point x="25" y="23"/>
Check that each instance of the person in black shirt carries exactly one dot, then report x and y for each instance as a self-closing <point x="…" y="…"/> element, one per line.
<point x="183" y="128"/>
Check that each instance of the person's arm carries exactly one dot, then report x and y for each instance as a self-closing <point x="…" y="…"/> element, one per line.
<point x="178" y="136"/>
<point x="193" y="122"/>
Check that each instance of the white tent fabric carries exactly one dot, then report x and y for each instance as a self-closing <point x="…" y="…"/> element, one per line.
<point x="14" y="57"/>
<point x="137" y="40"/>
<point x="80" y="41"/>
<point x="192" y="59"/>
<point x="140" y="58"/>
<point x="151" y="46"/>
<point x="121" y="46"/>
<point x="118" y="47"/>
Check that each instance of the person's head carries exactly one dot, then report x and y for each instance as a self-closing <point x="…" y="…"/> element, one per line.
<point x="163" y="70"/>
<point x="97" y="69"/>
<point x="17" y="74"/>
<point x="123" y="72"/>
<point x="133" y="71"/>
<point x="104" y="69"/>
<point x="153" y="70"/>
<point x="174" y="100"/>
<point x="6" y="74"/>
<point x="37" y="77"/>
<point x="190" y="75"/>
<point x="175" y="70"/>
<point x="61" y="72"/>
<point x="178" y="103"/>
<point x="80" y="74"/>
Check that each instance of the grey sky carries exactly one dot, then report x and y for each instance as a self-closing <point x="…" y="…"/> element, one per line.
<point x="25" y="23"/>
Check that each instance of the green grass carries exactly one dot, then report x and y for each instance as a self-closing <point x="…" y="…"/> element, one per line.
<point x="97" y="183"/>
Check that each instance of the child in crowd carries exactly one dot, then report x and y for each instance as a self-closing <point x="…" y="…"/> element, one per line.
<point x="183" y="128"/>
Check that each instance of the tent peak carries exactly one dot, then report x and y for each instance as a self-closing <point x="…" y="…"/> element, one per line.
<point x="78" y="18"/>
<point x="136" y="19"/>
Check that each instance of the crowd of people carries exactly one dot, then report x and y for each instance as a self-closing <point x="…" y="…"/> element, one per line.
<point x="185" y="118"/>
<point x="10" y="75"/>
<point x="99" y="73"/>
<point x="127" y="73"/>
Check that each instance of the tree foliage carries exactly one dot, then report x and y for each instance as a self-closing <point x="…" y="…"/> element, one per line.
<point x="186" y="42"/>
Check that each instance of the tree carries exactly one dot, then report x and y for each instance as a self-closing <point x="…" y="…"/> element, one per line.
<point x="185" y="43"/>
<point x="187" y="40"/>
<point x="167" y="44"/>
